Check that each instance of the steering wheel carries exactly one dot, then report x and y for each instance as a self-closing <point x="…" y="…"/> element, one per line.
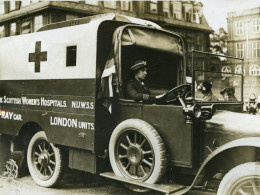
<point x="179" y="91"/>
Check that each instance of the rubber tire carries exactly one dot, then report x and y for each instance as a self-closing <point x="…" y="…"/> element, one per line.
<point x="59" y="159"/>
<point x="236" y="174"/>
<point x="155" y="140"/>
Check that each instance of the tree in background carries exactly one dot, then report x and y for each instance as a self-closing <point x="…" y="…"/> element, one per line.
<point x="218" y="42"/>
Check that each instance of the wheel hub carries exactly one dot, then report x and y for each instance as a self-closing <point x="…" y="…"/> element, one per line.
<point x="134" y="155"/>
<point x="43" y="159"/>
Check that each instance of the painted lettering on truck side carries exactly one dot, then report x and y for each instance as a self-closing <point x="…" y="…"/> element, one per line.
<point x="70" y="122"/>
<point x="10" y="115"/>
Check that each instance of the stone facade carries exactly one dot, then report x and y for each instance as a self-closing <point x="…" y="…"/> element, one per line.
<point x="244" y="42"/>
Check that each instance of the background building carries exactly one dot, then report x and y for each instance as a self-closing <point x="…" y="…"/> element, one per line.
<point x="20" y="17"/>
<point x="244" y="42"/>
<point x="185" y="17"/>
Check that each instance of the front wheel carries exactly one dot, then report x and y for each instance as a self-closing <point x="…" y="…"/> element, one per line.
<point x="137" y="152"/>
<point x="45" y="161"/>
<point x="241" y="180"/>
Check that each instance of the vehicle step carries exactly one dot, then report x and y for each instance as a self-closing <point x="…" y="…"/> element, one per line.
<point x="164" y="188"/>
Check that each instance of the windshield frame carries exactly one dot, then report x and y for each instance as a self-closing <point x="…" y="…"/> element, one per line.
<point x="193" y="90"/>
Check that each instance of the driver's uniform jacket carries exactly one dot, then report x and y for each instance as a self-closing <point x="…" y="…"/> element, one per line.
<point x="138" y="91"/>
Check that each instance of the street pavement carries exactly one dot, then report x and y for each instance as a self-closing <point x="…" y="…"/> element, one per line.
<point x="76" y="184"/>
<point x="73" y="183"/>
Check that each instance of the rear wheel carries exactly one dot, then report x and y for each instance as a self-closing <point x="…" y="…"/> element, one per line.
<point x="45" y="161"/>
<point x="241" y="180"/>
<point x="137" y="152"/>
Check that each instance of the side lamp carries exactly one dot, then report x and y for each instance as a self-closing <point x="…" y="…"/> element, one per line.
<point x="191" y="111"/>
<point x="207" y="111"/>
<point x="195" y="111"/>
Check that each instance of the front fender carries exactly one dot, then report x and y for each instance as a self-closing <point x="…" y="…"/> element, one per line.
<point x="249" y="141"/>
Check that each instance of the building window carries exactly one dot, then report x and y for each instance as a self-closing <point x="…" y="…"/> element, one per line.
<point x="239" y="28"/>
<point x="25" y="3"/>
<point x="191" y="46"/>
<point x="254" y="70"/>
<point x="196" y="16"/>
<point x="91" y="2"/>
<point x="256" y="49"/>
<point x="71" y="16"/>
<point x="188" y="12"/>
<point x="12" y="5"/>
<point x="256" y="25"/>
<point x="13" y="29"/>
<point x="71" y="56"/>
<point x="2" y="7"/>
<point x="177" y="11"/>
<point x="2" y="31"/>
<point x="110" y="4"/>
<point x="240" y="50"/>
<point x="127" y="5"/>
<point x="38" y="22"/>
<point x="199" y="43"/>
<point x="200" y="66"/>
<point x="153" y="6"/>
<point x="226" y="70"/>
<point x="166" y="9"/>
<point x="26" y="26"/>
<point x="238" y="70"/>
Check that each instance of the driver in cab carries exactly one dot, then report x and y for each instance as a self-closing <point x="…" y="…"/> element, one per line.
<point x="136" y="89"/>
<point x="205" y="89"/>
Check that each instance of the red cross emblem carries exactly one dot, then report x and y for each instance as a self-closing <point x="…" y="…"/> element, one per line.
<point x="38" y="56"/>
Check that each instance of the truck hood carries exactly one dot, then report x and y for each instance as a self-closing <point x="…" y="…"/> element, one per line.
<point x="234" y="122"/>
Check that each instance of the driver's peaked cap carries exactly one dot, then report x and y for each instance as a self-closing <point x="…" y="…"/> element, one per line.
<point x="138" y="65"/>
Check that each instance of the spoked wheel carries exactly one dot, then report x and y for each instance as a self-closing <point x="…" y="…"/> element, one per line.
<point x="135" y="155"/>
<point x="249" y="186"/>
<point x="241" y="180"/>
<point x="45" y="161"/>
<point x="137" y="152"/>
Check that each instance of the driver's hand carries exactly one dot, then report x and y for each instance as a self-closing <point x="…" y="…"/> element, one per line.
<point x="159" y="96"/>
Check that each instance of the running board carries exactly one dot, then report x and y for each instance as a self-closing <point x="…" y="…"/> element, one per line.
<point x="164" y="188"/>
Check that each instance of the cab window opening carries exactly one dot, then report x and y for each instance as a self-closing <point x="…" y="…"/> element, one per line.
<point x="163" y="68"/>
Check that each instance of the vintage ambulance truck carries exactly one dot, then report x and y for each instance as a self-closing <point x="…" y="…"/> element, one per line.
<point x="63" y="104"/>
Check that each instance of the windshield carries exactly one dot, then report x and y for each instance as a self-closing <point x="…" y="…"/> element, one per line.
<point x="217" y="79"/>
